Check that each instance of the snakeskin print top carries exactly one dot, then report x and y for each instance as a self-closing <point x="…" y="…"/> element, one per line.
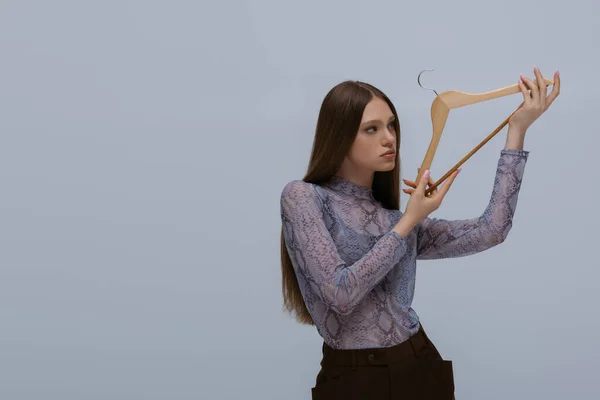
<point x="356" y="275"/>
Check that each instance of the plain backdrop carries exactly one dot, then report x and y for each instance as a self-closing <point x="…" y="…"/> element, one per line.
<point x="144" y="146"/>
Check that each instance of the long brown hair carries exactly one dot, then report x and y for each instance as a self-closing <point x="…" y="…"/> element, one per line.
<point x="337" y="126"/>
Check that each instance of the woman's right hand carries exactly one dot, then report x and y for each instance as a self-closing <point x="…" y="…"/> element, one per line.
<point x="420" y="206"/>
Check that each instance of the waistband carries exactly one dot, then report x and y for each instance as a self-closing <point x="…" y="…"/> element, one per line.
<point x="376" y="356"/>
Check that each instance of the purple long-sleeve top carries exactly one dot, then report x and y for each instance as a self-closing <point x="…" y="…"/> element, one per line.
<point x="357" y="275"/>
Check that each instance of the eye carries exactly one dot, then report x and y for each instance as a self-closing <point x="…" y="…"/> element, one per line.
<point x="391" y="125"/>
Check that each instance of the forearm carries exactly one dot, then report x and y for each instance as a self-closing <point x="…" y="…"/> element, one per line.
<point x="515" y="138"/>
<point x="440" y="238"/>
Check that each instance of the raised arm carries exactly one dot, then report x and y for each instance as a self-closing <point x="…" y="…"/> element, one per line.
<point x="439" y="238"/>
<point x="315" y="257"/>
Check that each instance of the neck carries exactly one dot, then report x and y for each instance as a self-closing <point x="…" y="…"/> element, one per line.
<point x="350" y="188"/>
<point x="359" y="177"/>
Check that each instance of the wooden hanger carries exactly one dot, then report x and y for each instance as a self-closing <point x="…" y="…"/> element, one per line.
<point x="440" y="108"/>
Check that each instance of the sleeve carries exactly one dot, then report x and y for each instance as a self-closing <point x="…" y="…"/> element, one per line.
<point x="439" y="238"/>
<point x="315" y="257"/>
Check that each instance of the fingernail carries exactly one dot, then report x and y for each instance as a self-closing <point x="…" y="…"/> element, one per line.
<point x="535" y="67"/>
<point x="426" y="174"/>
<point x="458" y="171"/>
<point x="558" y="72"/>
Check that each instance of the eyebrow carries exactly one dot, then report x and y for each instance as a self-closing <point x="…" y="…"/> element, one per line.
<point x="375" y="120"/>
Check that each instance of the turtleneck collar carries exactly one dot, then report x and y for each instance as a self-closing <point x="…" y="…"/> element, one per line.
<point x="339" y="184"/>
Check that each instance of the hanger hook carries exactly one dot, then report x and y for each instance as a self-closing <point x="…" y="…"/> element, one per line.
<point x="419" y="80"/>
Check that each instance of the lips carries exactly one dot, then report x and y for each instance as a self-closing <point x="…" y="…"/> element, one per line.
<point x="388" y="152"/>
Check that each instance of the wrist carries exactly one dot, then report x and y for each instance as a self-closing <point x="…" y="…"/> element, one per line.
<point x="515" y="129"/>
<point x="515" y="139"/>
<point x="405" y="225"/>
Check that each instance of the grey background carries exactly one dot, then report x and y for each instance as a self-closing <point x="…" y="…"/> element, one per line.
<point x="144" y="146"/>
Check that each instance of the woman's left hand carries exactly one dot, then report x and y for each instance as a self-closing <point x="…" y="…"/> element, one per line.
<point x="536" y="102"/>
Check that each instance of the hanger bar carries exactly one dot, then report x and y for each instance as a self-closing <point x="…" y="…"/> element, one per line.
<point x="456" y="99"/>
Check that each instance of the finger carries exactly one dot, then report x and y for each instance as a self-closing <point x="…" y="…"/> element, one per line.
<point x="410" y="183"/>
<point x="431" y="183"/>
<point x="408" y="191"/>
<point x="446" y="186"/>
<point x="422" y="182"/>
<point x="543" y="90"/>
<point x="535" y="95"/>
<point x="555" y="90"/>
<point x="526" y="96"/>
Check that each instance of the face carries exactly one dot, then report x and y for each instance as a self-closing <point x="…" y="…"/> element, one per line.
<point x="376" y="135"/>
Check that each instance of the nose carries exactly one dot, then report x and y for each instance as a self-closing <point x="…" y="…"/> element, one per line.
<point x="390" y="136"/>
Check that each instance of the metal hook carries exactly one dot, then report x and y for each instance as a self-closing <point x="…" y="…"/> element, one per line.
<point x="419" y="81"/>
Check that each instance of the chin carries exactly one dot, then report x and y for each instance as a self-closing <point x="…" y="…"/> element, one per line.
<point x="390" y="166"/>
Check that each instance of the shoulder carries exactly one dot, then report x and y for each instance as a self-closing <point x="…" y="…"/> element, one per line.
<point x="301" y="192"/>
<point x="299" y="188"/>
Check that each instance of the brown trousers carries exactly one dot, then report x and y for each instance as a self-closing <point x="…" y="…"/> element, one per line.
<point x="410" y="370"/>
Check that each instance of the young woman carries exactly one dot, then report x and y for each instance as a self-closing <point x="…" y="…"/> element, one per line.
<point x="349" y="254"/>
